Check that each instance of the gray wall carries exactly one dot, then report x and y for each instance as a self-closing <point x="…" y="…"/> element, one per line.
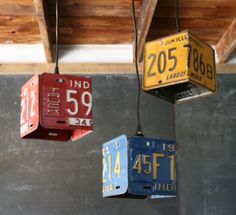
<point x="58" y="178"/>
<point x="206" y="135"/>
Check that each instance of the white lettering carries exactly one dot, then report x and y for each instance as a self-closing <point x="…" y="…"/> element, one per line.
<point x="79" y="84"/>
<point x="53" y="101"/>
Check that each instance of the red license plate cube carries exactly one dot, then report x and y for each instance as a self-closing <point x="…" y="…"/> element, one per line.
<point x="56" y="107"/>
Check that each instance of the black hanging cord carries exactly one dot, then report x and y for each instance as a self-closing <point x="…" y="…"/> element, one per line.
<point x="139" y="127"/>
<point x="57" y="39"/>
<point x="177" y="15"/>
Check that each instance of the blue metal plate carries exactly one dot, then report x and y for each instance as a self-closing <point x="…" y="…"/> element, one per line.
<point x="115" y="166"/>
<point x="152" y="167"/>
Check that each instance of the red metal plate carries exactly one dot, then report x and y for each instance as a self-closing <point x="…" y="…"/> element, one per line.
<point x="79" y="133"/>
<point x="29" y="119"/>
<point x="66" y="102"/>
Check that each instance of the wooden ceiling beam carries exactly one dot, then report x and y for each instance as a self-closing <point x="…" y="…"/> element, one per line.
<point x="145" y="18"/>
<point x="43" y="22"/>
<point x="227" y="43"/>
<point x="16" y="9"/>
<point x="88" y="68"/>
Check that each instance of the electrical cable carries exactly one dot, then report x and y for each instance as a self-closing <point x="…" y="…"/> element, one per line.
<point x="56" y="71"/>
<point x="177" y="15"/>
<point x="139" y="127"/>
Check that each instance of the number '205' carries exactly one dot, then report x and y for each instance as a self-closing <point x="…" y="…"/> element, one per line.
<point x="194" y="58"/>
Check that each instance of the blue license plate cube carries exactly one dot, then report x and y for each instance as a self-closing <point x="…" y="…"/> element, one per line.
<point x="139" y="167"/>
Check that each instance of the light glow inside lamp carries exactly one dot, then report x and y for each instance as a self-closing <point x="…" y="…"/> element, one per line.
<point x="138" y="167"/>
<point x="179" y="67"/>
<point x="56" y="107"/>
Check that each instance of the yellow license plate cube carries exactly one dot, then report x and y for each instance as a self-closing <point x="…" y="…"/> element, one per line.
<point x="179" y="67"/>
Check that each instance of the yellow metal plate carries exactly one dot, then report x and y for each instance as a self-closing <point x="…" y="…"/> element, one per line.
<point x="176" y="59"/>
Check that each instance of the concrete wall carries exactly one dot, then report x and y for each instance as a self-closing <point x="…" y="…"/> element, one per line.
<point x="206" y="136"/>
<point x="58" y="178"/>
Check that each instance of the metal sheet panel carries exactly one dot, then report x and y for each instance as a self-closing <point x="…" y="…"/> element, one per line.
<point x="152" y="167"/>
<point x="66" y="102"/>
<point x="115" y="166"/>
<point x="29" y="119"/>
<point x="175" y="59"/>
<point x="201" y="63"/>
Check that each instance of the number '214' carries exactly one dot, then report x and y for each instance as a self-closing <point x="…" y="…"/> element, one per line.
<point x="194" y="58"/>
<point x="107" y="167"/>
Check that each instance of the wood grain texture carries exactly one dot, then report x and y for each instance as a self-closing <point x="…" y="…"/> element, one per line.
<point x="121" y="23"/>
<point x="89" y="68"/>
<point x="17" y="7"/>
<point x="195" y="23"/>
<point x="95" y="10"/>
<point x="227" y="43"/>
<point x="96" y="2"/>
<point x="199" y="3"/>
<point x="192" y="12"/>
<point x="95" y="30"/>
<point x="17" y="2"/>
<point x="209" y="35"/>
<point x="145" y="18"/>
<point x="110" y="22"/>
<point x="95" y="22"/>
<point x="206" y="19"/>
<point x="18" y="23"/>
<point x="19" y="29"/>
<point x="94" y="36"/>
<point x="44" y="27"/>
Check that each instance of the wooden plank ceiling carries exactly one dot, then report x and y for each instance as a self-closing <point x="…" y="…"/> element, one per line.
<point x="95" y="21"/>
<point x="110" y="21"/>
<point x="207" y="19"/>
<point x="18" y="23"/>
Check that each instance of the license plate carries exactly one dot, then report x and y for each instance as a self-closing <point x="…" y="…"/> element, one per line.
<point x="66" y="101"/>
<point x="29" y="106"/>
<point x="139" y="166"/>
<point x="115" y="166"/>
<point x="153" y="166"/>
<point x="177" y="58"/>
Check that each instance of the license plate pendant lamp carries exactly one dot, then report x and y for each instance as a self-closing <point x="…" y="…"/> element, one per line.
<point x="179" y="67"/>
<point x="138" y="167"/>
<point x="56" y="107"/>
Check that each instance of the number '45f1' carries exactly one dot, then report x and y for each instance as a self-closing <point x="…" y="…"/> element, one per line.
<point x="138" y="167"/>
<point x="56" y="107"/>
